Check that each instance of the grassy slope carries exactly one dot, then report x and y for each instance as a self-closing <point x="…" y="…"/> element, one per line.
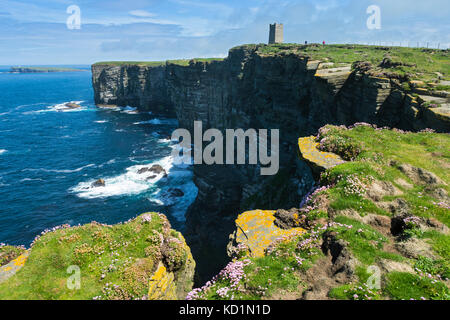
<point x="427" y="61"/>
<point x="115" y="261"/>
<point x="280" y="271"/>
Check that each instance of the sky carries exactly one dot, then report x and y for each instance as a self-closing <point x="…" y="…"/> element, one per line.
<point x="37" y="32"/>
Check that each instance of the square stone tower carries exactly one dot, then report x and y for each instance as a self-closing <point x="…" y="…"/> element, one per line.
<point x="276" y="33"/>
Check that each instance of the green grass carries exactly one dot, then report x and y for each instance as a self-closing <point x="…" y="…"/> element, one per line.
<point x="121" y="255"/>
<point x="365" y="242"/>
<point x="131" y="63"/>
<point x="180" y="62"/>
<point x="406" y="286"/>
<point x="426" y="62"/>
<point x="276" y="272"/>
<point x="429" y="151"/>
<point x="9" y="253"/>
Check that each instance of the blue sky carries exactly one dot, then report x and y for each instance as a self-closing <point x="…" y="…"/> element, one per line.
<point x="35" y="32"/>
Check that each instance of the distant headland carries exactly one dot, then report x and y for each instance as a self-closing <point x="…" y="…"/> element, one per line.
<point x="42" y="69"/>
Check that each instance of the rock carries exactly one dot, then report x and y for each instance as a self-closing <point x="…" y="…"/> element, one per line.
<point x="344" y="263"/>
<point x="98" y="183"/>
<point x="394" y="266"/>
<point x="379" y="189"/>
<point x="417" y="84"/>
<point x="162" y="285"/>
<point x="413" y="248"/>
<point x="381" y="222"/>
<point x="257" y="230"/>
<point x="71" y="105"/>
<point x="10" y="269"/>
<point x="319" y="160"/>
<point x="404" y="184"/>
<point x="151" y="177"/>
<point x="174" y="192"/>
<point x="420" y="176"/>
<point x="362" y="66"/>
<point x="156" y="168"/>
<point x="437" y="225"/>
<point x="398" y="206"/>
<point x="289" y="219"/>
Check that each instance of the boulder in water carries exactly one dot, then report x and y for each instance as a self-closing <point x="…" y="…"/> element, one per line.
<point x="156" y="168"/>
<point x="71" y="105"/>
<point x="99" y="183"/>
<point x="175" y="192"/>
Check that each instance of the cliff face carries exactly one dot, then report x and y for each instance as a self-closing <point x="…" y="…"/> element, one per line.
<point x="253" y="89"/>
<point x="143" y="87"/>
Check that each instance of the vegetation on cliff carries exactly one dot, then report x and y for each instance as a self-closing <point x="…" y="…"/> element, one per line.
<point x="181" y="62"/>
<point x="386" y="210"/>
<point x="140" y="259"/>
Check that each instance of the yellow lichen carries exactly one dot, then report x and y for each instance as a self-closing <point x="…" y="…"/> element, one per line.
<point x="162" y="286"/>
<point x="257" y="230"/>
<point x="309" y="151"/>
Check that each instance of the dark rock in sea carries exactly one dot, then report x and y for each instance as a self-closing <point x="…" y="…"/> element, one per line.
<point x="71" y="105"/>
<point x="151" y="177"/>
<point x="156" y="168"/>
<point x="99" y="183"/>
<point x="175" y="192"/>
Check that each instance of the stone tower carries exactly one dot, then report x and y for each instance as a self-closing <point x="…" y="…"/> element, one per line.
<point x="276" y="33"/>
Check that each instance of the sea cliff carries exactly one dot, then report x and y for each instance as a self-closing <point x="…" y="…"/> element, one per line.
<point x="296" y="89"/>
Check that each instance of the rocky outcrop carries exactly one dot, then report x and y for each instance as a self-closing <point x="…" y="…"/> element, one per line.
<point x="256" y="231"/>
<point x="142" y="258"/>
<point x="253" y="89"/>
<point x="143" y="87"/>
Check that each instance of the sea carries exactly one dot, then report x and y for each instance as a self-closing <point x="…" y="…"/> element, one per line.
<point x="51" y="155"/>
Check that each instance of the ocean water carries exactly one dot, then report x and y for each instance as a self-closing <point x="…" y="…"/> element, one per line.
<point x="50" y="156"/>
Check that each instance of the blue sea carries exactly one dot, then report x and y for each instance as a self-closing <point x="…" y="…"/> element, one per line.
<point x="51" y="155"/>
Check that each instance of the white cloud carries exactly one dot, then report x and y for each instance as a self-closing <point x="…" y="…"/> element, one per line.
<point x="141" y="14"/>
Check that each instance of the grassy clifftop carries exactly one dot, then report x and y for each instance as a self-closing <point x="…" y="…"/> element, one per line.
<point x="181" y="62"/>
<point x="384" y="211"/>
<point x="140" y="259"/>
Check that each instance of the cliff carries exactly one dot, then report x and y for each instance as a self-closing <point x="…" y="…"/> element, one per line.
<point x="296" y="89"/>
<point x="140" y="259"/>
<point x="376" y="227"/>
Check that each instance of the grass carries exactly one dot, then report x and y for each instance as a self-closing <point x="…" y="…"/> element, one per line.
<point x="365" y="242"/>
<point x="180" y="62"/>
<point x="115" y="261"/>
<point x="278" y="271"/>
<point x="429" y="151"/>
<point x="9" y="253"/>
<point x="426" y="62"/>
<point x="406" y="286"/>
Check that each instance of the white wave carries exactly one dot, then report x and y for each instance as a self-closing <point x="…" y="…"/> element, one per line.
<point x="179" y="205"/>
<point x="157" y="121"/>
<point x="101" y="121"/>
<point x="128" y="183"/>
<point x="111" y="108"/>
<point x="2" y="151"/>
<point x="61" y="171"/>
<point x="129" y="110"/>
<point x="164" y="141"/>
<point x="62" y="107"/>
<point x="28" y="179"/>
